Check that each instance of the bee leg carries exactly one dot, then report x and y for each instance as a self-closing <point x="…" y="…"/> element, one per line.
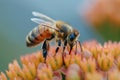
<point x="71" y="47"/>
<point x="65" y="44"/>
<point x="76" y="47"/>
<point x="45" y="48"/>
<point x="80" y="46"/>
<point x="59" y="44"/>
<point x="46" y="45"/>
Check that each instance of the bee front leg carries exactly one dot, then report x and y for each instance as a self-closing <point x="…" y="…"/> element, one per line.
<point x="76" y="47"/>
<point x="80" y="46"/>
<point x="71" y="47"/>
<point x="59" y="44"/>
<point x="45" y="48"/>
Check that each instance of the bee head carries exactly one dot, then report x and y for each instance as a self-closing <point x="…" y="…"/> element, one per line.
<point x="73" y="35"/>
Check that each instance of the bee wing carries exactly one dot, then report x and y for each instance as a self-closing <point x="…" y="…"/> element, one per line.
<point x="43" y="17"/>
<point x="40" y="21"/>
<point x="44" y="23"/>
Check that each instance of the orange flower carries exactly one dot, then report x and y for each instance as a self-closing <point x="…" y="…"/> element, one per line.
<point x="55" y="61"/>
<point x="93" y="76"/>
<point x="3" y="76"/>
<point x="105" y="62"/>
<point x="35" y="58"/>
<point x="27" y="72"/>
<point x="96" y="62"/>
<point x="104" y="16"/>
<point x="88" y="65"/>
<point x="102" y="10"/>
<point x="73" y="72"/>
<point x="113" y="48"/>
<point x="114" y="75"/>
<point x="94" y="47"/>
<point x="118" y="62"/>
<point x="44" y="72"/>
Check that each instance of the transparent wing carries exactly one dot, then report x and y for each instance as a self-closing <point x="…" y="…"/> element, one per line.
<point x="40" y="21"/>
<point x="43" y="19"/>
<point x="42" y="16"/>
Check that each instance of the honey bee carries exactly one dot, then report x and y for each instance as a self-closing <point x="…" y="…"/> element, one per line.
<point x="49" y="29"/>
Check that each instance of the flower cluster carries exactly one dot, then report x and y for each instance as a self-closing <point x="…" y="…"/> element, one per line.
<point x="95" y="62"/>
<point x="102" y="10"/>
<point x="104" y="16"/>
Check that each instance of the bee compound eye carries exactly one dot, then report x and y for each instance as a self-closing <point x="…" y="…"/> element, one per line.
<point x="72" y="36"/>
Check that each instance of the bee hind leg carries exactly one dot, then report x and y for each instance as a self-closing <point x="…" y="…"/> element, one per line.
<point x="45" y="48"/>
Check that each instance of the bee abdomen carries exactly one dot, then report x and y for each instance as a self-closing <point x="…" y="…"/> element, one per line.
<point x="37" y="35"/>
<point x="32" y="38"/>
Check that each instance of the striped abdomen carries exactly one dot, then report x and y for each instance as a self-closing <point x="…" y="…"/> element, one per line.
<point x="38" y="35"/>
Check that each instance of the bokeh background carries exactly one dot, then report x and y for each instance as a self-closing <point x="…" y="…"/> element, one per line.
<point x="15" y="23"/>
